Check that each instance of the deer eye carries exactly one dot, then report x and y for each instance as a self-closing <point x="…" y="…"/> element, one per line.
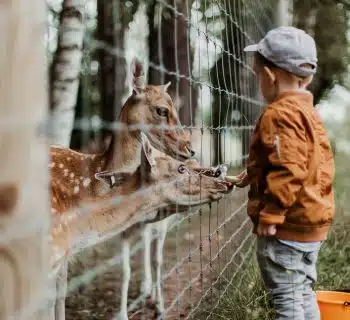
<point x="182" y="169"/>
<point x="162" y="111"/>
<point x="217" y="173"/>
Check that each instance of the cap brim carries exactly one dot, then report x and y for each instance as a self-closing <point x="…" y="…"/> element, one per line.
<point x="251" y="48"/>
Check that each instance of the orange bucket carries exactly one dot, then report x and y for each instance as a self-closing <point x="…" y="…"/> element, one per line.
<point x="334" y="305"/>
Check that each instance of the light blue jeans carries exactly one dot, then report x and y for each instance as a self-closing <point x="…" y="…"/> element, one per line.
<point x="289" y="275"/>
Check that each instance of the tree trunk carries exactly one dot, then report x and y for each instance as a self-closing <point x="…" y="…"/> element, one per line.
<point x="112" y="69"/>
<point x="65" y="70"/>
<point x="24" y="205"/>
<point x="169" y="46"/>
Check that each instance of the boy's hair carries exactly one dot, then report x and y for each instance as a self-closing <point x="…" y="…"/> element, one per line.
<point x="263" y="62"/>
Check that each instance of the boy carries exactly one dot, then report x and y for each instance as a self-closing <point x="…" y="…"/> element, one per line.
<point x="290" y="171"/>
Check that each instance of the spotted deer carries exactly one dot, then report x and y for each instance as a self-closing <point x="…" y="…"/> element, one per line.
<point x="158" y="183"/>
<point x="149" y="109"/>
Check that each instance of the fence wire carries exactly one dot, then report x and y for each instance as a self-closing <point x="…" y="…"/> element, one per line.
<point x="198" y="46"/>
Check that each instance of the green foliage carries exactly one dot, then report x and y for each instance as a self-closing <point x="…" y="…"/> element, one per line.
<point x="333" y="264"/>
<point x="328" y="22"/>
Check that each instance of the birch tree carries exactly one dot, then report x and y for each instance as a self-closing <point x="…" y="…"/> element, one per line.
<point x="65" y="70"/>
<point x="113" y="21"/>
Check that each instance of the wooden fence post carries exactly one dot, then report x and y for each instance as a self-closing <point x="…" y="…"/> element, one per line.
<point x="24" y="201"/>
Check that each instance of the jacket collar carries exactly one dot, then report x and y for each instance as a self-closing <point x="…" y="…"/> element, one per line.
<point x="302" y="94"/>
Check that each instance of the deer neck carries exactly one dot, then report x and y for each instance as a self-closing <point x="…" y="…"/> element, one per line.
<point x="75" y="230"/>
<point x="124" y="151"/>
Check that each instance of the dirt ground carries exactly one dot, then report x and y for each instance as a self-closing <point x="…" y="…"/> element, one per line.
<point x="204" y="262"/>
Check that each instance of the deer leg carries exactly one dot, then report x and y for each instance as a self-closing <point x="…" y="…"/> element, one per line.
<point x="146" y="286"/>
<point x="61" y="290"/>
<point x="52" y="297"/>
<point x="123" y="313"/>
<point x="158" y="296"/>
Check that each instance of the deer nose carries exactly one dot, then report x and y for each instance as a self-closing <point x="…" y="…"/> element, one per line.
<point x="229" y="184"/>
<point x="220" y="186"/>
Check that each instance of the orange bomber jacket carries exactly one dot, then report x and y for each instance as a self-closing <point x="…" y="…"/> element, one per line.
<point x="291" y="170"/>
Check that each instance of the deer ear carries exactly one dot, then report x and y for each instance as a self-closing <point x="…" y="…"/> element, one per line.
<point x="138" y="79"/>
<point x="166" y="86"/>
<point x="111" y="178"/>
<point x="147" y="152"/>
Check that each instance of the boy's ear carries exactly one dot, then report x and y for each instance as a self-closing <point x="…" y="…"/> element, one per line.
<point x="305" y="82"/>
<point x="270" y="74"/>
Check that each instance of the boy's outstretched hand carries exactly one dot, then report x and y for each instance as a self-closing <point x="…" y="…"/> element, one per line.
<point x="240" y="181"/>
<point x="266" y="229"/>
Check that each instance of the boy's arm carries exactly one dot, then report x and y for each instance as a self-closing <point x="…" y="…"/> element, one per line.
<point x="284" y="139"/>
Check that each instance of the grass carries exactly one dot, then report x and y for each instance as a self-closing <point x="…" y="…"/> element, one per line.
<point x="247" y="300"/>
<point x="333" y="264"/>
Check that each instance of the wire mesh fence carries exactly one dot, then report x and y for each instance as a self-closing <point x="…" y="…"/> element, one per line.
<point x="101" y="99"/>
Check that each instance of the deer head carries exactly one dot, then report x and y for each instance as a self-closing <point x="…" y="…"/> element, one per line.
<point x="153" y="107"/>
<point x="174" y="182"/>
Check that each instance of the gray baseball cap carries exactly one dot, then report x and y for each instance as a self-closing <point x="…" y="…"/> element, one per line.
<point x="288" y="48"/>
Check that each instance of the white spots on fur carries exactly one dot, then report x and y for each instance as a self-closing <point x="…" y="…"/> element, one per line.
<point x="65" y="172"/>
<point x="99" y="169"/>
<point x="57" y="254"/>
<point x="66" y="218"/>
<point x="81" y="178"/>
<point x="61" y="165"/>
<point x="69" y="158"/>
<point x="76" y="189"/>
<point x="54" y="199"/>
<point x="63" y="219"/>
<point x="52" y="164"/>
<point x="71" y="175"/>
<point x="82" y="158"/>
<point x="56" y="230"/>
<point x="71" y="216"/>
<point x="86" y="182"/>
<point x="53" y="210"/>
<point x="93" y="157"/>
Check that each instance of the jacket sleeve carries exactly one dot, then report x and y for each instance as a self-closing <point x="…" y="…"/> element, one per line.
<point x="283" y="137"/>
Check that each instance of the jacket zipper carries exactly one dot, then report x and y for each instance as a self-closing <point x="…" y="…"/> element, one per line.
<point x="276" y="143"/>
